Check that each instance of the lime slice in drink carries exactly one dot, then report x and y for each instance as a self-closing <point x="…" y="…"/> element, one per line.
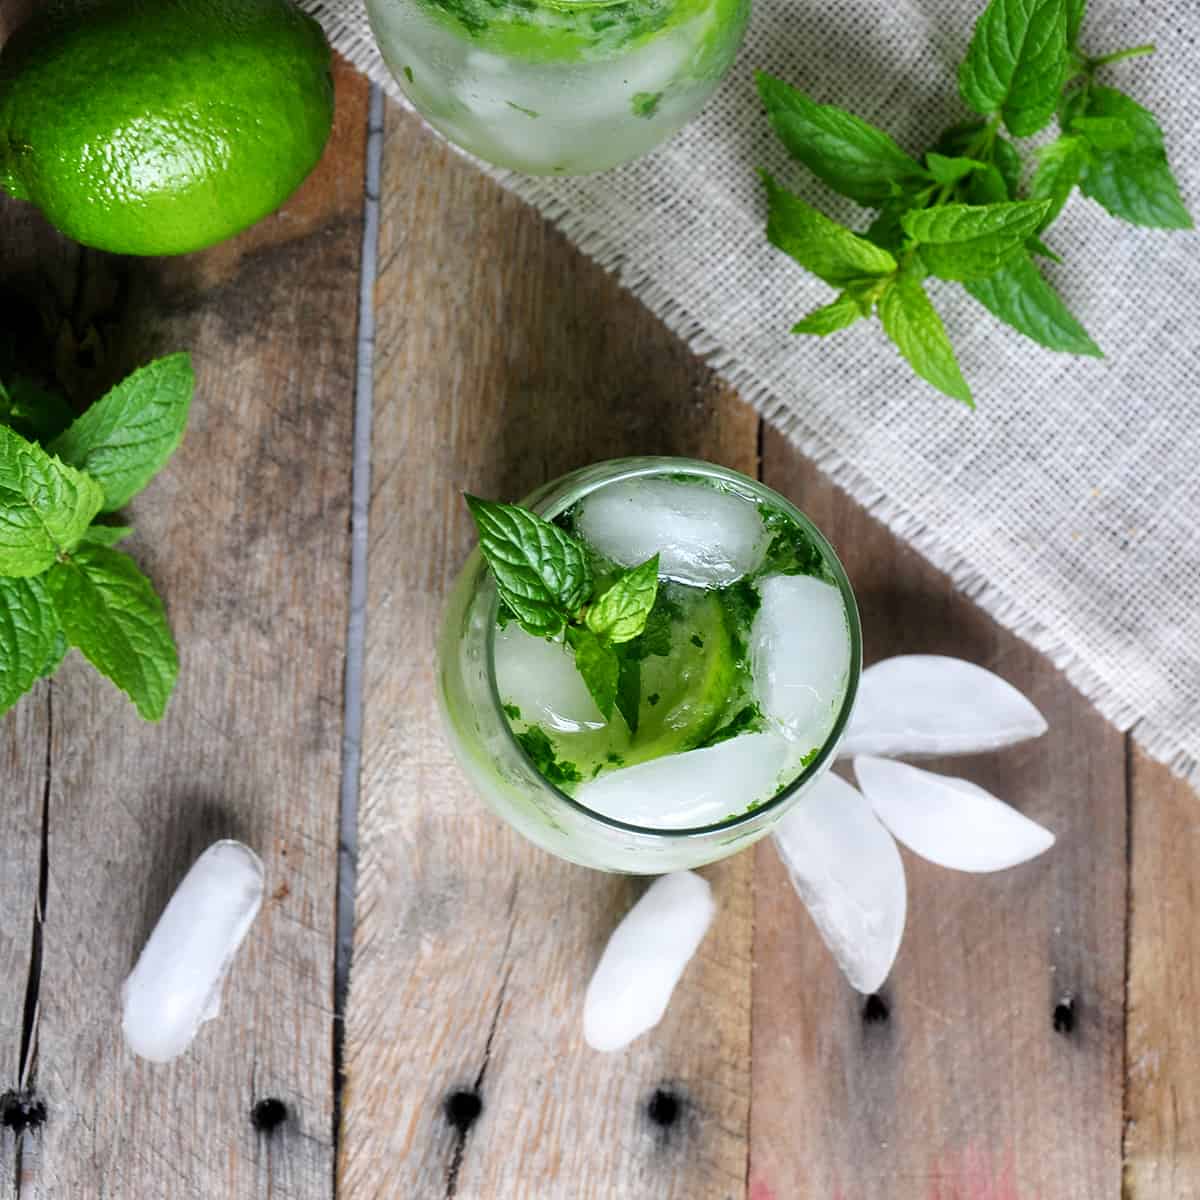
<point x="687" y="692"/>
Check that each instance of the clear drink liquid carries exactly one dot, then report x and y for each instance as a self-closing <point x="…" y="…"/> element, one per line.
<point x="558" y="87"/>
<point x="744" y="676"/>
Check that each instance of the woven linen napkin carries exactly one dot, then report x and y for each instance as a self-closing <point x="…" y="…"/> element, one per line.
<point x="1068" y="505"/>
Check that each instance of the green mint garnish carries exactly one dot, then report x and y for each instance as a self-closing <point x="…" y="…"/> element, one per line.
<point x="538" y="746"/>
<point x="541" y="572"/>
<point x="957" y="212"/>
<point x="545" y="582"/>
<point x="620" y="612"/>
<point x="62" y="583"/>
<point x="645" y="104"/>
<point x="748" y="719"/>
<point x="511" y="711"/>
<point x="599" y="665"/>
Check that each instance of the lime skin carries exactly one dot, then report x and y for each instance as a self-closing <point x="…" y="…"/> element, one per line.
<point x="162" y="126"/>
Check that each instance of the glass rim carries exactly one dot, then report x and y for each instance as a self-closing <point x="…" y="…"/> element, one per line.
<point x="633" y="468"/>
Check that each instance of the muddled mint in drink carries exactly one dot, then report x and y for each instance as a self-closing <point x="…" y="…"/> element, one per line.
<point x="733" y="683"/>
<point x="608" y="80"/>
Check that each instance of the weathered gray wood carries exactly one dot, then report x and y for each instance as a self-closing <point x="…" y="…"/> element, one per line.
<point x="1162" y="1105"/>
<point x="37" y="274"/>
<point x="504" y="358"/>
<point x="246" y="536"/>
<point x="967" y="1089"/>
<point x="22" y="732"/>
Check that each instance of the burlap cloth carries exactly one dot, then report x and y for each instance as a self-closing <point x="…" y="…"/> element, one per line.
<point x="1068" y="505"/>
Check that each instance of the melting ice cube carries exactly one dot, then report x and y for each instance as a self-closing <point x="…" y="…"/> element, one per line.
<point x="540" y="677"/>
<point x="697" y="787"/>
<point x="846" y="868"/>
<point x="176" y="985"/>
<point x="703" y="537"/>
<point x="644" y="959"/>
<point x="951" y="822"/>
<point x="800" y="655"/>
<point x="930" y="704"/>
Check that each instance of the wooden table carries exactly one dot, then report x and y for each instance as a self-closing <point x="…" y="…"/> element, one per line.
<point x="1036" y="1039"/>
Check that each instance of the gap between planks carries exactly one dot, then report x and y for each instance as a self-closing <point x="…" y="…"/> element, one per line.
<point x="360" y="503"/>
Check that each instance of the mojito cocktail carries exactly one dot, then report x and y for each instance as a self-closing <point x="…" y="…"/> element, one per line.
<point x="697" y="681"/>
<point x="558" y="87"/>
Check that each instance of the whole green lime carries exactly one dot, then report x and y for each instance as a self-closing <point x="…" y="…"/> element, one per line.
<point x="161" y="127"/>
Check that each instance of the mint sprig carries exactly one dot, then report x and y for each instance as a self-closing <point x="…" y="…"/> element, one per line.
<point x="958" y="212"/>
<point x="62" y="583"/>
<point x="547" y="585"/>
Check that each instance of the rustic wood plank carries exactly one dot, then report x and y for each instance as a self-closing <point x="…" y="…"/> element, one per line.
<point x="246" y="535"/>
<point x="966" y="1089"/>
<point x="504" y="358"/>
<point x="23" y="731"/>
<point x="37" y="283"/>
<point x="1162" y="1106"/>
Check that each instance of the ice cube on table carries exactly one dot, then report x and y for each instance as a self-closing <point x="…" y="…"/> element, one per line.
<point x="176" y="985"/>
<point x="697" y="787"/>
<point x="540" y="677"/>
<point x="951" y="822"/>
<point x="703" y="537"/>
<point x="845" y="867"/>
<point x="800" y="655"/>
<point x="931" y="704"/>
<point x="644" y="958"/>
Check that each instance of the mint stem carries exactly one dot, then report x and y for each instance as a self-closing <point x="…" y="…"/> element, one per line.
<point x="1119" y="55"/>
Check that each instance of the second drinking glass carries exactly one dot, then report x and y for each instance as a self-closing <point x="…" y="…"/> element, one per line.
<point x="558" y="87"/>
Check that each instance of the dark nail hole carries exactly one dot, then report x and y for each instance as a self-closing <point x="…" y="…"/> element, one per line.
<point x="663" y="1108"/>
<point x="1064" y="1014"/>
<point x="267" y="1115"/>
<point x="875" y="1011"/>
<point x="21" y="1111"/>
<point x="463" y="1109"/>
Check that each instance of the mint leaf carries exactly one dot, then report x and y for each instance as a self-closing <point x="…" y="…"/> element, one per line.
<point x="829" y="318"/>
<point x="620" y="612"/>
<point x="58" y="651"/>
<point x="1035" y="245"/>
<point x="1075" y="9"/>
<point x="1021" y="297"/>
<point x="629" y="690"/>
<point x="1134" y="182"/>
<point x="541" y="753"/>
<point x="598" y="664"/>
<point x="852" y="157"/>
<point x="542" y="574"/>
<point x="1059" y="167"/>
<point x="1104" y="133"/>
<point x="124" y="439"/>
<point x="986" y="187"/>
<point x="949" y="170"/>
<point x="912" y="322"/>
<point x="966" y="241"/>
<point x="45" y="506"/>
<point x="28" y="630"/>
<point x="106" y="535"/>
<point x="829" y="250"/>
<point x="1017" y="62"/>
<point x="968" y="139"/>
<point x="32" y="410"/>
<point x="111" y="612"/>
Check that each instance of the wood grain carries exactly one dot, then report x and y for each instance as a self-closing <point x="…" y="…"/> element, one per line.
<point x="966" y="1090"/>
<point x="1162" y="1108"/>
<point x="504" y="358"/>
<point x="245" y="534"/>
